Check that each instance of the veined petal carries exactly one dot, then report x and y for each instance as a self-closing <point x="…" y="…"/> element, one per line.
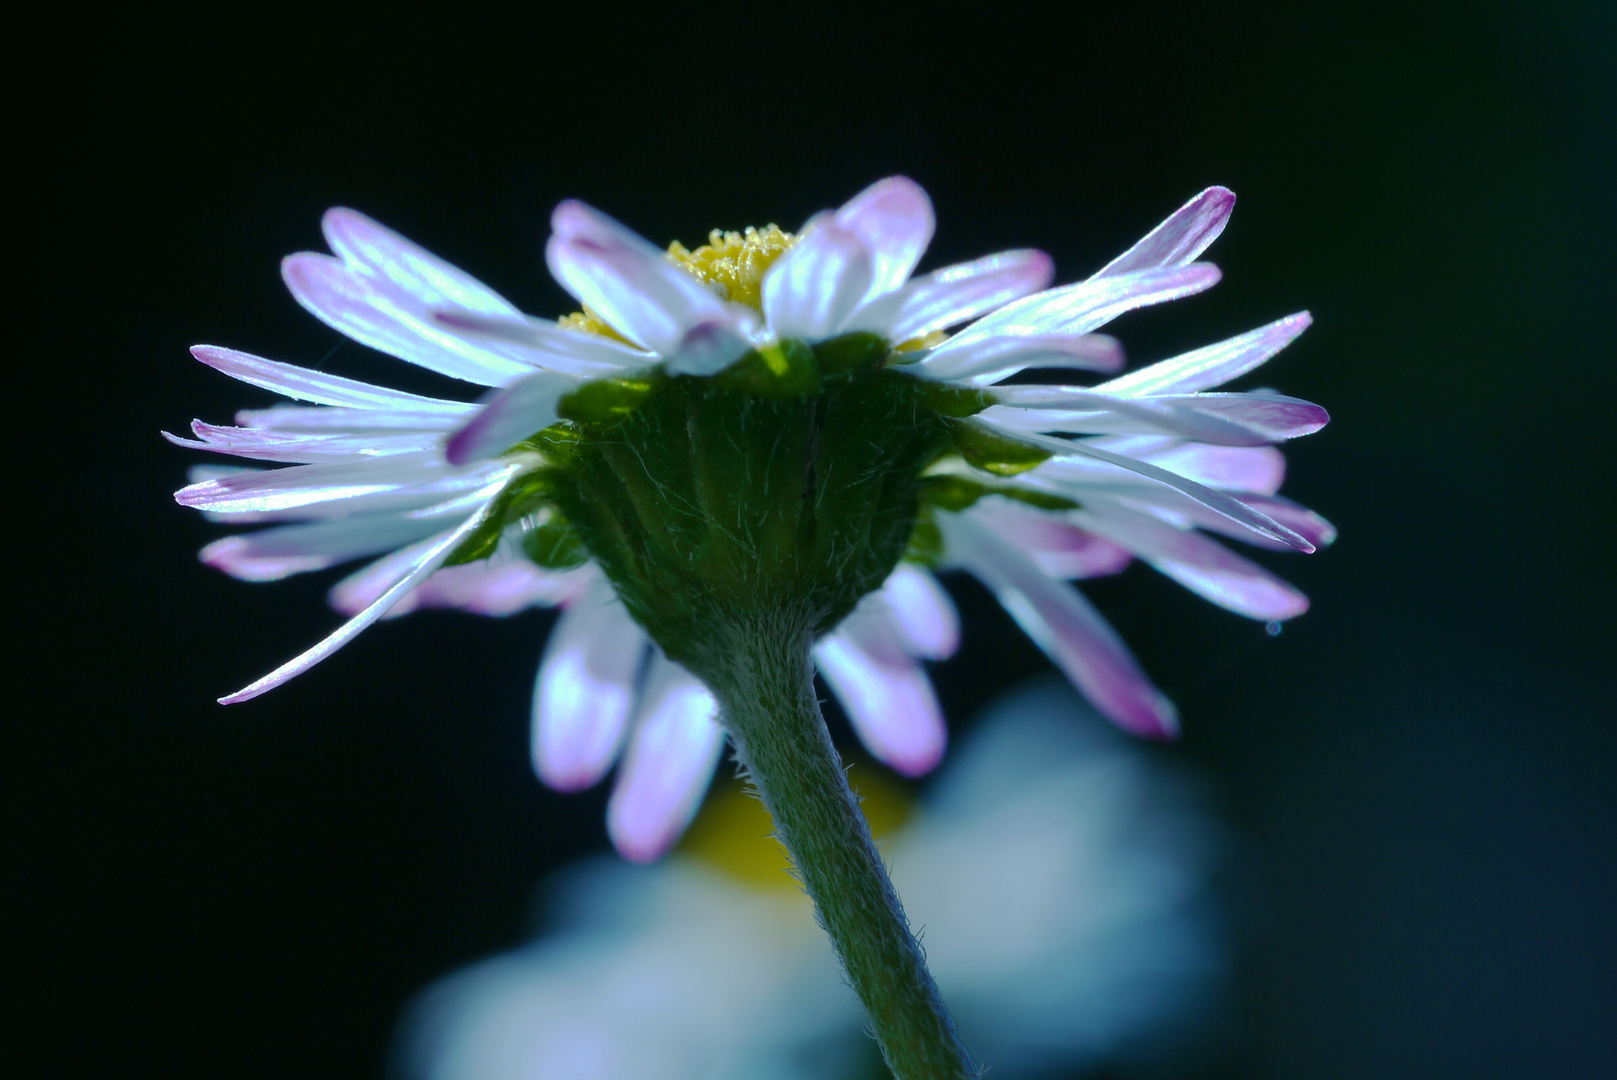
<point x="1225" y="419"/>
<point x="987" y="360"/>
<point x="954" y="294"/>
<point x="428" y="559"/>
<point x="922" y="613"/>
<point x="271" y="554"/>
<point x="1299" y="519"/>
<point x="363" y="587"/>
<point x="1063" y="624"/>
<point x="510" y="415"/>
<point x="1227" y="505"/>
<point x="375" y="312"/>
<point x="300" y="447"/>
<point x="498" y="587"/>
<point x="1072" y="310"/>
<point x="1184" y="235"/>
<point x="1203" y="566"/>
<point x="306" y="384"/>
<point x="642" y="295"/>
<point x="812" y="289"/>
<point x="550" y="346"/>
<point x="884" y="689"/>
<point x="1058" y="547"/>
<point x="1258" y="469"/>
<point x="671" y="757"/>
<point x="585" y="689"/>
<point x="894" y="220"/>
<point x="1212" y="365"/>
<point x="395" y="482"/>
<point x="371" y="247"/>
<point x="338" y="419"/>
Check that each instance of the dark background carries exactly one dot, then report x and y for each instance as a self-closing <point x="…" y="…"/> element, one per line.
<point x="1421" y="765"/>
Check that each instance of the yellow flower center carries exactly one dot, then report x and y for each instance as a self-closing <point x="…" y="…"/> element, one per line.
<point x="734" y="263"/>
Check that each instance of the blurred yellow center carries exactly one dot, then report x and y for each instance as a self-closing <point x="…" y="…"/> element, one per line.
<point x="735" y="834"/>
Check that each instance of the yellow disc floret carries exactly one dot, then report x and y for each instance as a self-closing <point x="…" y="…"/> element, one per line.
<point x="734" y="263"/>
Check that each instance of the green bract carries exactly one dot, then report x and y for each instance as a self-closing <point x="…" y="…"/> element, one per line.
<point x="794" y="481"/>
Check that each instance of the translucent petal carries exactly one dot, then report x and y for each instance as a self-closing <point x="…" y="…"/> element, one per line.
<point x="271" y="554"/>
<point x="990" y="359"/>
<point x="922" y="612"/>
<point x="1185" y="234"/>
<point x="306" y="384"/>
<point x="951" y="296"/>
<point x="509" y="415"/>
<point x="884" y="689"/>
<point x="1212" y="365"/>
<point x="810" y="292"/>
<point x="1063" y="624"/>
<point x="585" y="689"/>
<point x="675" y="747"/>
<point x="894" y="220"/>
<point x="365" y="243"/>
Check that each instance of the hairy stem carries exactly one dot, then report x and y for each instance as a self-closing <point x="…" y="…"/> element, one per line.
<point x="764" y="683"/>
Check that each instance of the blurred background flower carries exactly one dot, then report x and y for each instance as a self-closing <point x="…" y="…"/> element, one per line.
<point x="1061" y="877"/>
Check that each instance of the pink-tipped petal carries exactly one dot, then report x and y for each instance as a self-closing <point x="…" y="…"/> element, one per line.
<point x="1218" y="501"/>
<point x="306" y="384"/>
<point x="1258" y="469"/>
<point x="341" y="420"/>
<point x="922" y="612"/>
<point x="371" y="247"/>
<point x="1063" y="624"/>
<point x="812" y="289"/>
<point x="1070" y="310"/>
<point x="894" y="220"/>
<point x="1212" y="365"/>
<point x="642" y="295"/>
<point x="1093" y="414"/>
<point x="1299" y="519"/>
<point x="1184" y="235"/>
<point x="426" y="561"/>
<point x="585" y="689"/>
<point x="989" y="359"/>
<point x="885" y="691"/>
<point x="675" y="747"/>
<point x="500" y="587"/>
<point x="508" y="416"/>
<point x="1058" y="547"/>
<point x="954" y="295"/>
<point x="365" y="586"/>
<point x="275" y="553"/>
<point x="376" y="312"/>
<point x="1203" y="566"/>
<point x="402" y="481"/>
<point x="300" y="447"/>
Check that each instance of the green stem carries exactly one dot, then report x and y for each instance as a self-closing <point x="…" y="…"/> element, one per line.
<point x="764" y="683"/>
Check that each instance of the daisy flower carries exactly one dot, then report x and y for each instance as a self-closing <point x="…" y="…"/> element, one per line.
<point x="380" y="471"/>
<point x="735" y="457"/>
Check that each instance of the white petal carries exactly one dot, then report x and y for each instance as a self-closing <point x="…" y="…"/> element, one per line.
<point x="951" y="296"/>
<point x="989" y="359"/>
<point x="1058" y="547"/>
<point x="884" y="689"/>
<point x="424" y="564"/>
<point x="510" y="415"/>
<point x="306" y="384"/>
<point x="1070" y="310"/>
<point x="299" y="446"/>
<point x="1213" y="365"/>
<point x="1258" y="469"/>
<point x="585" y="689"/>
<point x="1184" y="235"/>
<point x="547" y="345"/>
<point x="642" y="295"/>
<point x="402" y="481"/>
<point x="1203" y="566"/>
<point x="671" y="757"/>
<point x="271" y="554"/>
<point x="922" y="612"/>
<point x="811" y="290"/>
<point x="496" y="586"/>
<point x="375" y="312"/>
<point x="1225" y="419"/>
<point x="360" y="590"/>
<point x="1227" y="505"/>
<point x="373" y="248"/>
<point x="894" y="220"/>
<point x="1062" y="623"/>
<point x="334" y="419"/>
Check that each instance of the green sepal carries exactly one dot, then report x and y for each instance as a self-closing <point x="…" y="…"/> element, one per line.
<point x="557" y="443"/>
<point x="988" y="450"/>
<point x="926" y="540"/>
<point x="607" y="401"/>
<point x="956" y="493"/>
<point x="951" y="400"/>
<point x="525" y="495"/>
<point x="851" y="354"/>
<point x="786" y="369"/>
<point x="554" y="544"/>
